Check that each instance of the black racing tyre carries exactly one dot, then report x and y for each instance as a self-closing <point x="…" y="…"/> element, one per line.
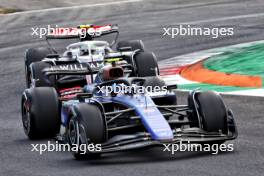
<point x="122" y="44"/>
<point x="134" y="44"/>
<point x="154" y="81"/>
<point x="36" y="73"/>
<point x="146" y="64"/>
<point x="92" y="128"/>
<point x="192" y="115"/>
<point x="40" y="112"/>
<point x="34" y="55"/>
<point x="212" y="111"/>
<point x="137" y="45"/>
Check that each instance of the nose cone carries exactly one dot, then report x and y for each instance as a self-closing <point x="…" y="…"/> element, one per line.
<point x="163" y="134"/>
<point x="152" y="119"/>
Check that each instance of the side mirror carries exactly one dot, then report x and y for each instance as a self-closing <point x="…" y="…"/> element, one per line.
<point x="50" y="56"/>
<point x="127" y="48"/>
<point x="172" y="87"/>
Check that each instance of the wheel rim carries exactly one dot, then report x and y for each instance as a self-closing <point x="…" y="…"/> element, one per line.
<point x="82" y="135"/>
<point x="26" y="117"/>
<point x="72" y="132"/>
<point x="77" y="133"/>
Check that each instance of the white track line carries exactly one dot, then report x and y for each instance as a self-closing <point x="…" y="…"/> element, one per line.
<point x="72" y="7"/>
<point x="130" y="1"/>
<point x="251" y="92"/>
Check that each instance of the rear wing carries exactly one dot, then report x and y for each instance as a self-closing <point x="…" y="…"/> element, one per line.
<point x="76" y="69"/>
<point x="70" y="69"/>
<point x="83" y="33"/>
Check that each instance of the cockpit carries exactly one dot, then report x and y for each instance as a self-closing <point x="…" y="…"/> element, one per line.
<point x="88" y="50"/>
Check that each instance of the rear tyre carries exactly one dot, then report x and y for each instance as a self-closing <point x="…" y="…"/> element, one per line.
<point x="37" y="74"/>
<point x="86" y="127"/>
<point x="134" y="44"/>
<point x="146" y="64"/>
<point x="34" y="55"/>
<point x="40" y="112"/>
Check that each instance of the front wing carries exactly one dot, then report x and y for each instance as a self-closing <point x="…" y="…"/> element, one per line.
<point x="192" y="135"/>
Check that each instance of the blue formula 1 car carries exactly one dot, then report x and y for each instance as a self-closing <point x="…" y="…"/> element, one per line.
<point x="123" y="120"/>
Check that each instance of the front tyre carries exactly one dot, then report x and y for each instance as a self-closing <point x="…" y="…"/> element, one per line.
<point x="86" y="127"/>
<point x="212" y="112"/>
<point x="146" y="64"/>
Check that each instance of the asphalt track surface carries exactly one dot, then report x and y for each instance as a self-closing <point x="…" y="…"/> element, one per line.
<point x="137" y="20"/>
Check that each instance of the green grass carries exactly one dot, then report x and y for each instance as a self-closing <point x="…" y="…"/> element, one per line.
<point x="244" y="61"/>
<point x="206" y="87"/>
<point x="8" y="10"/>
